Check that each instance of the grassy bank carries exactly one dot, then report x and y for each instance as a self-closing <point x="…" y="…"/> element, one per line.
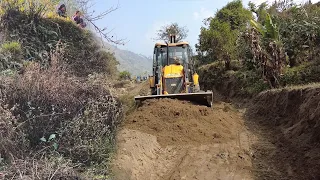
<point x="56" y="120"/>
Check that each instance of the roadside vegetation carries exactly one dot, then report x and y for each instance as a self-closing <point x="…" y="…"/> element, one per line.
<point x="58" y="118"/>
<point x="58" y="113"/>
<point x="243" y="51"/>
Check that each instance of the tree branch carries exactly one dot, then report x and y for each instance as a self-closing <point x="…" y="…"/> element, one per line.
<point x="91" y="18"/>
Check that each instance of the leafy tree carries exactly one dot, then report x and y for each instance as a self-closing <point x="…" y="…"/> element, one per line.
<point x="298" y="27"/>
<point x="282" y="33"/>
<point x="235" y="14"/>
<point x="124" y="75"/>
<point x="260" y="11"/>
<point x="174" y="29"/>
<point x="299" y="30"/>
<point x="219" y="40"/>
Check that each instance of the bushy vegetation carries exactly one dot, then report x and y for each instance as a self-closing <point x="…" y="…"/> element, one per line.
<point x="271" y="46"/>
<point x="39" y="35"/>
<point x="56" y="121"/>
<point x="166" y="31"/>
<point x="82" y="117"/>
<point x="125" y="75"/>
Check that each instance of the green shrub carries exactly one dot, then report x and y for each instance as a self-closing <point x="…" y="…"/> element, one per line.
<point x="250" y="83"/>
<point x="241" y="82"/>
<point x="10" y="55"/>
<point x="125" y="75"/>
<point x="12" y="47"/>
<point x="306" y="73"/>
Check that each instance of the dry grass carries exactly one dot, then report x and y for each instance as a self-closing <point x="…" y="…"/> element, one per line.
<point x="83" y="116"/>
<point x="294" y="87"/>
<point x="37" y="169"/>
<point x="11" y="138"/>
<point x="55" y="121"/>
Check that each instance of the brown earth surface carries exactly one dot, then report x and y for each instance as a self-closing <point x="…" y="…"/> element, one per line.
<point x="176" y="122"/>
<point x="288" y="122"/>
<point x="276" y="138"/>
<point x="170" y="139"/>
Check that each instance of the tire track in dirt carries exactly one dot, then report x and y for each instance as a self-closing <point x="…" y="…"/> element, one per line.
<point x="170" y="139"/>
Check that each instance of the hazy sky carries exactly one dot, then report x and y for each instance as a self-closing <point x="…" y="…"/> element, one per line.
<point x="138" y="20"/>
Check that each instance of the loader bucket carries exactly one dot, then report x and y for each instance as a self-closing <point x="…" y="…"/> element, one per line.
<point x="202" y="98"/>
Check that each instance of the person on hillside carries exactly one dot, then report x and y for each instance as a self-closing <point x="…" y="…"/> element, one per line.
<point x="79" y="21"/>
<point x="62" y="10"/>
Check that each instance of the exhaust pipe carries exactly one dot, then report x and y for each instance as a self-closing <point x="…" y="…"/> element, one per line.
<point x="172" y="38"/>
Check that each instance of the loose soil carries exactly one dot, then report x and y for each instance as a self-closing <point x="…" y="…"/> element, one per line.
<point x="171" y="139"/>
<point x="276" y="138"/>
<point x="288" y="122"/>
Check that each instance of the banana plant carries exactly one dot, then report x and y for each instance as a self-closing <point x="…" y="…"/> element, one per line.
<point x="269" y="30"/>
<point x="271" y="56"/>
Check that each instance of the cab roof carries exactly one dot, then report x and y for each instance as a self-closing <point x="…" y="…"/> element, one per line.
<point x="172" y="44"/>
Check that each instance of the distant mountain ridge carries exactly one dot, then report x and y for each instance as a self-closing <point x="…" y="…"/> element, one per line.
<point x="136" y="64"/>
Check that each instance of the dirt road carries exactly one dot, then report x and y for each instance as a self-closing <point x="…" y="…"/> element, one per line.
<point x="170" y="139"/>
<point x="276" y="138"/>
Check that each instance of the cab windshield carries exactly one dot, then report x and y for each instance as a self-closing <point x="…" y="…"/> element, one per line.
<point x="180" y="53"/>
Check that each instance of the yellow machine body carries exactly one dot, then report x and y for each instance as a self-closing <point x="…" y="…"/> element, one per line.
<point x="174" y="74"/>
<point x="195" y="78"/>
<point x="173" y="71"/>
<point x="151" y="82"/>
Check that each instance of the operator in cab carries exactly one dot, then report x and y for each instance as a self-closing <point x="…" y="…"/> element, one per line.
<point x="178" y="63"/>
<point x="174" y="69"/>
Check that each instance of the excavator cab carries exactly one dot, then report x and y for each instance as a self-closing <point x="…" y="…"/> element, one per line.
<point x="174" y="74"/>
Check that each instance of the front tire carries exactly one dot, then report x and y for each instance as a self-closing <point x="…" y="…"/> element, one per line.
<point x="153" y="91"/>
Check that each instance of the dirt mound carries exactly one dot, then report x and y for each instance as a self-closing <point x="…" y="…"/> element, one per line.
<point x="293" y="116"/>
<point x="179" y="122"/>
<point x="171" y="139"/>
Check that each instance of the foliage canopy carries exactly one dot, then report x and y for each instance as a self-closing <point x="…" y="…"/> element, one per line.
<point x="266" y="39"/>
<point x="172" y="29"/>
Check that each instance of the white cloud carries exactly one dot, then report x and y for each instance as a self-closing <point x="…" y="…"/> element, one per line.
<point x="202" y="14"/>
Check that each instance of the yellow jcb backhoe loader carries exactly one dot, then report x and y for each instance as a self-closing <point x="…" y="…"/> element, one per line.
<point x="174" y="74"/>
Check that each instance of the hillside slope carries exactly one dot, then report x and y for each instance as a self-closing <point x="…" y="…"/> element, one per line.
<point x="56" y="121"/>
<point x="136" y="64"/>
